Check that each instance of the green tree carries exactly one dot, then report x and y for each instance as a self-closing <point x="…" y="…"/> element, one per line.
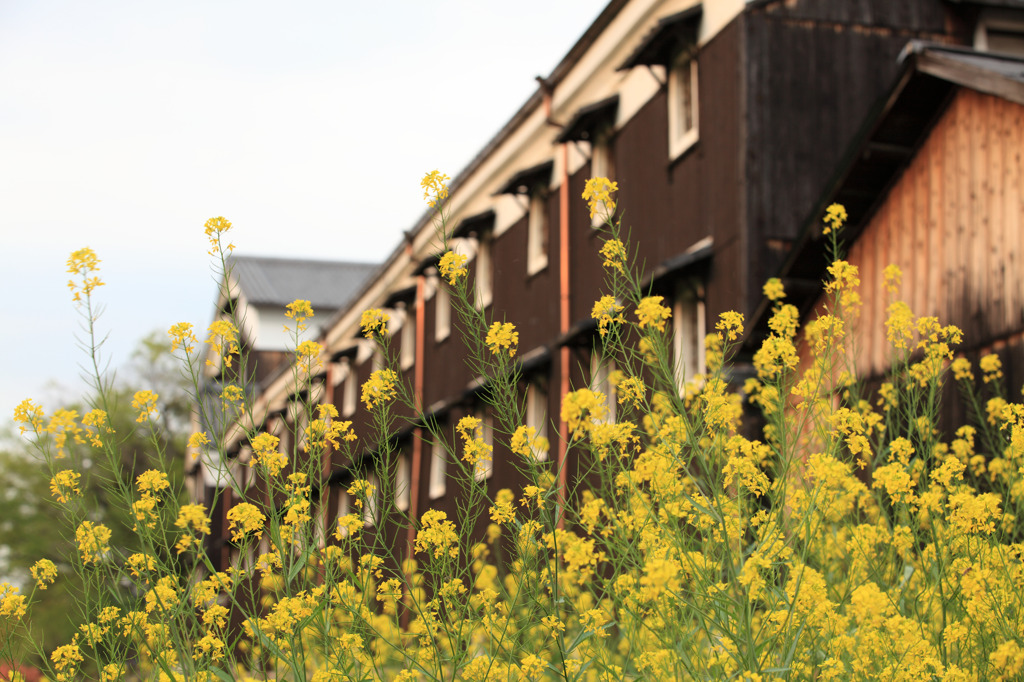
<point x="28" y="531"/>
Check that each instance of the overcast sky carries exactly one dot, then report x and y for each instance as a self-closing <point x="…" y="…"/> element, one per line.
<point x="125" y="125"/>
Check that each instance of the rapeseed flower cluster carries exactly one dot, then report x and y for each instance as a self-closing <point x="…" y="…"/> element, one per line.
<point x="598" y="195"/>
<point x="379" y="388"/>
<point x="502" y="336"/>
<point x="85" y="264"/>
<point x="652" y="314"/>
<point x="374" y="322"/>
<point x="452" y="266"/>
<point x="435" y="188"/>
<point x="664" y="539"/>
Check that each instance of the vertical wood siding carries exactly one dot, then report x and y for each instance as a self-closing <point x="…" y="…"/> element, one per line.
<point x="952" y="223"/>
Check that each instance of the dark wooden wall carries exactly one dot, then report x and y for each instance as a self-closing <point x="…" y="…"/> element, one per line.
<point x="815" y="70"/>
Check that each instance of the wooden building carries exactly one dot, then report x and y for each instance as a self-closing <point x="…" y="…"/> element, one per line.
<point x="254" y="291"/>
<point x="934" y="184"/>
<point x="721" y="121"/>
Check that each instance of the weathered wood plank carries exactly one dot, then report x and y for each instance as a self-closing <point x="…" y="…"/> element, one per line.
<point x="1015" y="204"/>
<point x="935" y="162"/>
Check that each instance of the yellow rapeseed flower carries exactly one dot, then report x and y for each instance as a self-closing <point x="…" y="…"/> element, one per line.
<point x="84" y="263"/>
<point x="65" y="661"/>
<point x="651" y="313"/>
<point x="44" y="572"/>
<point x="12" y="604"/>
<point x="307" y="355"/>
<point x="223" y="340"/>
<point x="437" y="535"/>
<point x="64" y="485"/>
<point x="452" y="266"/>
<point x="192" y="518"/>
<point x="502" y="335"/>
<point x="435" y="187"/>
<point x="245" y="519"/>
<point x="145" y="403"/>
<point x="182" y="337"/>
<point x="379" y="388"/>
<point x="615" y="256"/>
<point x="731" y="323"/>
<point x="62" y="425"/>
<point x="299" y="310"/>
<point x="28" y="416"/>
<point x="598" y="195"/>
<point x="893" y="277"/>
<point x="93" y="540"/>
<point x="835" y="217"/>
<point x="607" y="312"/>
<point x="214" y="228"/>
<point x="773" y="289"/>
<point x="374" y="322"/>
<point x="991" y="367"/>
<point x="197" y="442"/>
<point x="152" y="483"/>
<point x="580" y="409"/>
<point x="265" y="453"/>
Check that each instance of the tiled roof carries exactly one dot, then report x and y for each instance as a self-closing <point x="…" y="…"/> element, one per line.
<point x="279" y="281"/>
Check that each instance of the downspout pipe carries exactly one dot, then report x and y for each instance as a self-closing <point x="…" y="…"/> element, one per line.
<point x="563" y="306"/>
<point x="417" y="392"/>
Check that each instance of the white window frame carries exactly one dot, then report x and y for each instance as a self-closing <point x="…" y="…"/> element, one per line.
<point x="537" y="415"/>
<point x="600" y="167"/>
<point x="688" y="332"/>
<point x="538" y="233"/>
<point x="483" y="287"/>
<point x="407" y="350"/>
<point x="998" y="22"/>
<point x="403" y="483"/>
<point x="601" y="369"/>
<point x="344" y="508"/>
<point x="682" y="99"/>
<point x="349" y="391"/>
<point x="371" y="508"/>
<point x="482" y="473"/>
<point x="442" y="312"/>
<point x="438" y="470"/>
<point x="320" y="525"/>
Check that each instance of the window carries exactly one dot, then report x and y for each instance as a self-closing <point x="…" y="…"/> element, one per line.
<point x="408" y="340"/>
<point x="687" y="335"/>
<point x="600" y="167"/>
<point x="485" y="468"/>
<point x="344" y="508"/>
<point x="438" y="470"/>
<point x="537" y="417"/>
<point x="537" y="239"/>
<point x="349" y="390"/>
<point x="601" y="370"/>
<point x="682" y="104"/>
<point x="1002" y="33"/>
<point x="403" y="483"/>
<point x="319" y="525"/>
<point x="442" y="312"/>
<point x="483" y="286"/>
<point x="372" y="507"/>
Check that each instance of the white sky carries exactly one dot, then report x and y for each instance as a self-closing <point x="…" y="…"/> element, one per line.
<point x="125" y="125"/>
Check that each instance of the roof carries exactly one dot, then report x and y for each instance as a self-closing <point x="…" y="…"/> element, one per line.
<point x="887" y="141"/>
<point x="990" y="3"/>
<point x="589" y="119"/>
<point x="672" y="34"/>
<point x="327" y="285"/>
<point x="526" y="180"/>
